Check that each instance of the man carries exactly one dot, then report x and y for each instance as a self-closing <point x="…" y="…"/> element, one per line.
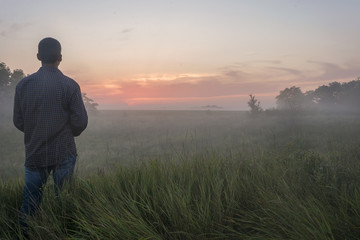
<point x="49" y="109"/>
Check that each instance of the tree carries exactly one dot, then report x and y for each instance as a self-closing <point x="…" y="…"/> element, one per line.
<point x="338" y="96"/>
<point x="254" y="105"/>
<point x="16" y="76"/>
<point x="90" y="105"/>
<point x="5" y="75"/>
<point x="8" y="82"/>
<point x="332" y="97"/>
<point x="291" y="99"/>
<point x="351" y="94"/>
<point x="328" y="96"/>
<point x="8" y="78"/>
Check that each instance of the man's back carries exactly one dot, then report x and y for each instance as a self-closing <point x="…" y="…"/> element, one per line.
<point x="50" y="111"/>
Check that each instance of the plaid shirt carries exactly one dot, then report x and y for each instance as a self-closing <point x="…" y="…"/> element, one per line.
<point x="49" y="109"/>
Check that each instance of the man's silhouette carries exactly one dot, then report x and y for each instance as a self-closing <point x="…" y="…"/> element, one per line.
<point x="49" y="109"/>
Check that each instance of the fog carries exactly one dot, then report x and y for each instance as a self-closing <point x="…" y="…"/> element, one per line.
<point x="115" y="138"/>
<point x="301" y="121"/>
<point x="6" y="111"/>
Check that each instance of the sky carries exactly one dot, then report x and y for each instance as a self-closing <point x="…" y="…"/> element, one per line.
<point x="187" y="54"/>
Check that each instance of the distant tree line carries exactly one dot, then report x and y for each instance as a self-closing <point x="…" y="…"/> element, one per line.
<point x="337" y="97"/>
<point x="8" y="81"/>
<point x="332" y="97"/>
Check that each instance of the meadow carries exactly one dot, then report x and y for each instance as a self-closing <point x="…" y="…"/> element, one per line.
<point x="198" y="175"/>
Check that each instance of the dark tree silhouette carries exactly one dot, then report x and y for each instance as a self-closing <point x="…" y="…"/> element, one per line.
<point x="8" y="78"/>
<point x="8" y="81"/>
<point x="5" y="75"/>
<point x="329" y="95"/>
<point x="351" y="94"/>
<point x="15" y="78"/>
<point x="337" y="96"/>
<point x="291" y="99"/>
<point x="332" y="97"/>
<point x="90" y="104"/>
<point x="254" y="105"/>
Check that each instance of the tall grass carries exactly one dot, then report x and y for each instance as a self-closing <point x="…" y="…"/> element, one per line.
<point x="206" y="197"/>
<point x="283" y="179"/>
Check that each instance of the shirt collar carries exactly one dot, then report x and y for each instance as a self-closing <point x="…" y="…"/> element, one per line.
<point x="49" y="69"/>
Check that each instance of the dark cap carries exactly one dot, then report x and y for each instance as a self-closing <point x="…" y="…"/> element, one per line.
<point x="49" y="50"/>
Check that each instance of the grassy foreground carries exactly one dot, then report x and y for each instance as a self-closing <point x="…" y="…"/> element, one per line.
<point x="213" y="176"/>
<point x="206" y="197"/>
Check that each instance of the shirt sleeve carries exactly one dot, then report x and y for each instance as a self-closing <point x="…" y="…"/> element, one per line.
<point x="18" y="114"/>
<point x="78" y="114"/>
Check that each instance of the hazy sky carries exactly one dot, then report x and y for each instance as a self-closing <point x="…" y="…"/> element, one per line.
<point x="166" y="54"/>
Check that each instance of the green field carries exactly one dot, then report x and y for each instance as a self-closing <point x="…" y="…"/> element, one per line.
<point x="198" y="175"/>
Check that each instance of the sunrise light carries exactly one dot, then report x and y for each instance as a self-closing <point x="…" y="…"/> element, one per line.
<point x="187" y="51"/>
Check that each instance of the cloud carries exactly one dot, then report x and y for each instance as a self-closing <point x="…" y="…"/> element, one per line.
<point x="127" y="30"/>
<point x="211" y="107"/>
<point x="122" y="35"/>
<point x="14" y="28"/>
<point x="231" y="85"/>
<point x="195" y="87"/>
<point x="199" y="90"/>
<point x="330" y="72"/>
<point x="267" y="61"/>
<point x="294" y="72"/>
<point x="235" y="74"/>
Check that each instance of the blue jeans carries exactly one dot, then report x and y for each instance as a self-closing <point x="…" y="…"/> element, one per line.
<point x="35" y="181"/>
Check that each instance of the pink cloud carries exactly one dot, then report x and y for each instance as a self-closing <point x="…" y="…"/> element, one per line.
<point x="230" y="87"/>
